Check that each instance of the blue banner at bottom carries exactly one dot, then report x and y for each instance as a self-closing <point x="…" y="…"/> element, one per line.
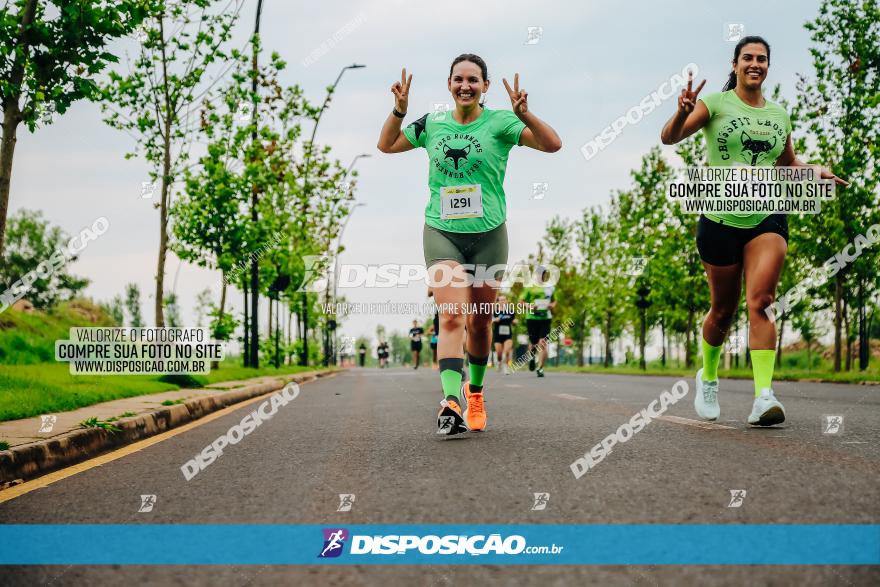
<point x="518" y="544"/>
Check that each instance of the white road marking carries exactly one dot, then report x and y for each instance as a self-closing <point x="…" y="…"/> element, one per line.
<point x="695" y="423"/>
<point x="673" y="419"/>
<point x="567" y="396"/>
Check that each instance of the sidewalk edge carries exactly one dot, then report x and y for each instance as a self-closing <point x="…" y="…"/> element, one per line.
<point x="32" y="460"/>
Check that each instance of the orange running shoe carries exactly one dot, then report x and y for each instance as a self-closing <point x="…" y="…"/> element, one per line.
<point x="474" y="410"/>
<point x="449" y="420"/>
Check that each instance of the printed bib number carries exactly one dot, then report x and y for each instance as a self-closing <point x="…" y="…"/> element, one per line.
<point x="542" y="304"/>
<point x="503" y="329"/>
<point x="461" y="201"/>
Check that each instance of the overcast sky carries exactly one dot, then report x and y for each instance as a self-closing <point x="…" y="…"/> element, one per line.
<point x="593" y="62"/>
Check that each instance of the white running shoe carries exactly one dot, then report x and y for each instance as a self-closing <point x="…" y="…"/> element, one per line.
<point x="504" y="369"/>
<point x="766" y="411"/>
<point x="706" y="398"/>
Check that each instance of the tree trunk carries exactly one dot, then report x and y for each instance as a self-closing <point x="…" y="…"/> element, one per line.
<point x="163" y="241"/>
<point x="846" y="337"/>
<point x="662" y="343"/>
<point x="736" y="355"/>
<point x="165" y="197"/>
<point x="608" y="339"/>
<point x="11" y="118"/>
<point x="12" y="114"/>
<point x="838" y="294"/>
<point x="688" y="353"/>
<point x="581" y="336"/>
<point x="779" y="343"/>
<point x="246" y="349"/>
<point x="277" y="333"/>
<point x="289" y="329"/>
<point x="216" y="364"/>
<point x="255" y="305"/>
<point x="864" y="343"/>
<point x="304" y="359"/>
<point x="642" y="364"/>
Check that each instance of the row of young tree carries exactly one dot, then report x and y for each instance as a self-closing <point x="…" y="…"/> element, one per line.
<point x="240" y="190"/>
<point x="836" y="116"/>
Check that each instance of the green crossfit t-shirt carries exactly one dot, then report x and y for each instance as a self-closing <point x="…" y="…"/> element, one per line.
<point x="739" y="134"/>
<point x="467" y="155"/>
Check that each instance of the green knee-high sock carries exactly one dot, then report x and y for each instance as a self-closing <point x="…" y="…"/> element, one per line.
<point x="711" y="358"/>
<point x="478" y="372"/>
<point x="763" y="362"/>
<point x="451" y="374"/>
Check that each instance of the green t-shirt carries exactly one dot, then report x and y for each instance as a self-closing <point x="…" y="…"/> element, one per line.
<point x="467" y="154"/>
<point x="739" y="134"/>
<point x="539" y="298"/>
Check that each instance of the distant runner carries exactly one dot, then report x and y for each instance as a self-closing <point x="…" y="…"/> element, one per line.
<point x="502" y="332"/>
<point x="415" y="342"/>
<point x="538" y="319"/>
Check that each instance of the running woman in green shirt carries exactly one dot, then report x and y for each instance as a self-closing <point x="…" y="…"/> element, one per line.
<point x="741" y="128"/>
<point x="465" y="229"/>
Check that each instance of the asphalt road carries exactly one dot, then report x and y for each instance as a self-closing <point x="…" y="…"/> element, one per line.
<point x="372" y="433"/>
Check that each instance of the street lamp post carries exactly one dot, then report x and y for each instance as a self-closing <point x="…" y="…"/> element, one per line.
<point x="353" y="161"/>
<point x="330" y="327"/>
<point x="335" y="263"/>
<point x="253" y="359"/>
<point x="304" y="358"/>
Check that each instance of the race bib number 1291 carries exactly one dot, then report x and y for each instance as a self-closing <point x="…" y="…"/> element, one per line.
<point x="461" y="201"/>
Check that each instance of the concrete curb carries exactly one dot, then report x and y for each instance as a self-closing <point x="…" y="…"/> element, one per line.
<point x="34" y="459"/>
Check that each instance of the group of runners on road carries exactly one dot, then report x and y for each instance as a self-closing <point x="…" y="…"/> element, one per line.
<point x="465" y="224"/>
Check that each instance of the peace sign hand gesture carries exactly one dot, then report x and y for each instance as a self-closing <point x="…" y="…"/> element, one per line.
<point x="519" y="98"/>
<point x="401" y="92"/>
<point x="688" y="98"/>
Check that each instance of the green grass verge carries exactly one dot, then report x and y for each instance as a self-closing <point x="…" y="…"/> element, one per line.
<point x="31" y="390"/>
<point x="29" y="338"/>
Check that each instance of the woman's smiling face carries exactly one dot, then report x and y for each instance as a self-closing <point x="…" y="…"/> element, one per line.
<point x="466" y="84"/>
<point x="752" y="65"/>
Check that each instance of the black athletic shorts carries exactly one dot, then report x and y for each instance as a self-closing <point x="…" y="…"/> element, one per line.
<point x="538" y="329"/>
<point x="501" y="338"/>
<point x="722" y="244"/>
<point x="415" y="346"/>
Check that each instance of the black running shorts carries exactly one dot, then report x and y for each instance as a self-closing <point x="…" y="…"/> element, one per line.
<point x="722" y="244"/>
<point x="538" y="329"/>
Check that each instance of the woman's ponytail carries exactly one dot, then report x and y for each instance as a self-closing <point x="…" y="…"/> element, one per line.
<point x="731" y="82"/>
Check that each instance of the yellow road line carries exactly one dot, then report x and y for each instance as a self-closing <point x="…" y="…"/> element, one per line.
<point x="48" y="479"/>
